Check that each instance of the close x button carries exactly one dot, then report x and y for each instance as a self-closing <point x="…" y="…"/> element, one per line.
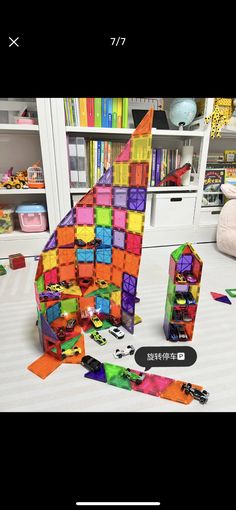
<point x="13" y="42"/>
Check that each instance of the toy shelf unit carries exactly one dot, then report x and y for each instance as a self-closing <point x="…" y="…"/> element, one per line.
<point x="183" y="290"/>
<point x="27" y="174"/>
<point x="76" y="146"/>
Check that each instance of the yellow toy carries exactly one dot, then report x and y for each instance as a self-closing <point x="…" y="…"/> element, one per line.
<point x="220" y="115"/>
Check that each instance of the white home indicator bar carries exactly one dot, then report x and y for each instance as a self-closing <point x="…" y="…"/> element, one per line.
<point x="117" y="503"/>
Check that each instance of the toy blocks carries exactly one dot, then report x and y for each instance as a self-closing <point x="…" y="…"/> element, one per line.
<point x="185" y="270"/>
<point x="16" y="261"/>
<point x="96" y="248"/>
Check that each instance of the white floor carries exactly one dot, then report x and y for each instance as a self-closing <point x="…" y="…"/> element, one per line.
<point x="67" y="390"/>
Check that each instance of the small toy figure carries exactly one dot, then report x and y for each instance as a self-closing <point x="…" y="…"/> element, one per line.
<point x="17" y="261"/>
<point x="174" y="178"/>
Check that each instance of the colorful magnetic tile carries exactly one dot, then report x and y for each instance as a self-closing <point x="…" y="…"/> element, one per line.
<point x="141" y="148"/>
<point x="102" y="305"/>
<point x="87" y="199"/>
<point x="69" y="305"/>
<point x="115" y="310"/>
<point x="116" y="276"/>
<point x="40" y="283"/>
<point x="52" y="242"/>
<point x="139" y="174"/>
<point x="152" y="384"/>
<point x="65" y="236"/>
<point x="84" y="215"/>
<point x="85" y="270"/>
<point x="100" y="375"/>
<point x="132" y="263"/>
<point x="221" y="297"/>
<point x="174" y="392"/>
<point x="69" y="219"/>
<point x="66" y="255"/>
<point x="103" y="195"/>
<point x="103" y="255"/>
<point x="106" y="177"/>
<point x="53" y="312"/>
<point x="103" y="216"/>
<point x="103" y="271"/>
<point x="120" y="197"/>
<point x="127" y="321"/>
<point x="51" y="276"/>
<point x="231" y="292"/>
<point x="67" y="272"/>
<point x="125" y="154"/>
<point x="135" y="222"/>
<point x="119" y="239"/>
<point x="128" y="302"/>
<point x="121" y="174"/>
<point x="137" y="199"/>
<point x="115" y="377"/>
<point x="116" y="297"/>
<point x="129" y="283"/>
<point x="118" y="258"/>
<point x="85" y="233"/>
<point x="49" y="259"/>
<point x="134" y="243"/>
<point x="105" y="234"/>
<point x="84" y="255"/>
<point x="119" y="218"/>
<point x="44" y="365"/>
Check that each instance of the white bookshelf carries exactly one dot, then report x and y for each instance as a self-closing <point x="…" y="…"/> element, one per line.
<point x="22" y="145"/>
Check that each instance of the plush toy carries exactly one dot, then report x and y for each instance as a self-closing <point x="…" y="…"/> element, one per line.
<point x="220" y="116"/>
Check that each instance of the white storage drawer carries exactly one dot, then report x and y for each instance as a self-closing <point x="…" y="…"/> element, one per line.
<point x="173" y="211"/>
<point x="209" y="217"/>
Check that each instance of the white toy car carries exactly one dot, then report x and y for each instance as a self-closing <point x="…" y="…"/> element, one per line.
<point x="116" y="332"/>
<point x="119" y="353"/>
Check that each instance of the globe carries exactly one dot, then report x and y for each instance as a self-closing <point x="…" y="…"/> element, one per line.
<point x="182" y="111"/>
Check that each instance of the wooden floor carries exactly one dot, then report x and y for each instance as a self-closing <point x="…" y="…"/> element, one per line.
<point x="67" y="389"/>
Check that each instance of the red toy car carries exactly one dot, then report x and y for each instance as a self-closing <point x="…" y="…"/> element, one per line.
<point x="85" y="282"/>
<point x="70" y="325"/>
<point x="61" y="334"/>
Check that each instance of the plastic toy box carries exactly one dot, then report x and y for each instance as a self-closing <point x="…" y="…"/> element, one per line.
<point x="32" y="217"/>
<point x="6" y="219"/>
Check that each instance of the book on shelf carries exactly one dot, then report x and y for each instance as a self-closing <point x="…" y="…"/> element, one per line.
<point x="96" y="112"/>
<point x="214" y="177"/>
<point x="230" y="175"/>
<point x="164" y="161"/>
<point x="77" y="155"/>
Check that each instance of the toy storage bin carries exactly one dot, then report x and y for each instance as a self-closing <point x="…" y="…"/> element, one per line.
<point x="6" y="219"/>
<point x="32" y="217"/>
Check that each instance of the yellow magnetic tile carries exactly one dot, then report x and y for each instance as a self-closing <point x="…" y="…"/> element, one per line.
<point x="49" y="259"/>
<point x="121" y="174"/>
<point x="116" y="297"/>
<point x="85" y="233"/>
<point x="135" y="222"/>
<point x="141" y="148"/>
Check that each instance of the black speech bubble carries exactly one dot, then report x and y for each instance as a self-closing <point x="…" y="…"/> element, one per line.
<point x="142" y="356"/>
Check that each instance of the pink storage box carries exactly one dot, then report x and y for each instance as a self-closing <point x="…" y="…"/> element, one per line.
<point x="32" y="217"/>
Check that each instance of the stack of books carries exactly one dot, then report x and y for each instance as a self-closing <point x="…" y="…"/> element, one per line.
<point x="109" y="112"/>
<point x="101" y="155"/>
<point x="164" y="161"/>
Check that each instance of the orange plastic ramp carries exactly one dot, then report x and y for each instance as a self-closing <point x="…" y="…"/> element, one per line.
<point x="44" y="365"/>
<point x="174" y="392"/>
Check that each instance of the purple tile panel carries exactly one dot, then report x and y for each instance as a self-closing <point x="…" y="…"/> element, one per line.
<point x="69" y="219"/>
<point x="106" y="177"/>
<point x="97" y="376"/>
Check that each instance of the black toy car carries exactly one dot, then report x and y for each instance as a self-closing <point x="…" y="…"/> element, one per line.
<point x="95" y="242"/>
<point x="70" y="324"/>
<point x="80" y="242"/>
<point x="189" y="298"/>
<point x="92" y="364"/>
<point x="201" y="396"/>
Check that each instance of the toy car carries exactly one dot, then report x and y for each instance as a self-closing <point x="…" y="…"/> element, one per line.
<point x="65" y="284"/>
<point x="116" y="332"/>
<point x="179" y="278"/>
<point x="189" y="298"/>
<point x="101" y="284"/>
<point x="85" y="282"/>
<point x="80" y="242"/>
<point x="61" y="334"/>
<point x="177" y="316"/>
<point x="95" y="242"/>
<point x="47" y="295"/>
<point x="180" y="298"/>
<point x="173" y="333"/>
<point x="186" y="317"/>
<point x="181" y="332"/>
<point x="75" y="351"/>
<point x="70" y="324"/>
<point x="91" y="363"/>
<point x="55" y="286"/>
<point x="132" y="376"/>
<point x="98" y="338"/>
<point x="96" y="321"/>
<point x="201" y="396"/>
<point x="119" y="353"/>
<point x="113" y="320"/>
<point x="190" y="277"/>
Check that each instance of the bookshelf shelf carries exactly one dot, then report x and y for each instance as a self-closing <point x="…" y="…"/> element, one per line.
<point x="22" y="191"/>
<point x="19" y="128"/>
<point x="151" y="189"/>
<point x="127" y="132"/>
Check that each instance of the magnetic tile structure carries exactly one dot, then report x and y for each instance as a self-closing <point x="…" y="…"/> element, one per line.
<point x="100" y="239"/>
<point x="185" y="270"/>
<point x="152" y="384"/>
<point x="222" y="298"/>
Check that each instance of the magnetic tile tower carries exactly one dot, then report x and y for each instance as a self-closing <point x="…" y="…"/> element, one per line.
<point x="112" y="211"/>
<point x="184" y="261"/>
